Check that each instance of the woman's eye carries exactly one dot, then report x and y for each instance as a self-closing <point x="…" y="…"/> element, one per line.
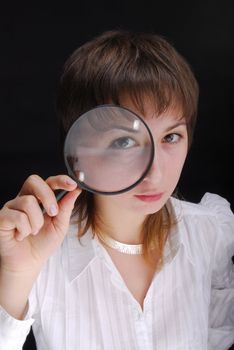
<point x="172" y="138"/>
<point x="123" y="143"/>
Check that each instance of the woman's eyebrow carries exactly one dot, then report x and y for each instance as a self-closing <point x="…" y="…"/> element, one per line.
<point x="175" y="126"/>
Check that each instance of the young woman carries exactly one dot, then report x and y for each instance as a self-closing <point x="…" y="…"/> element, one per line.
<point x="69" y="276"/>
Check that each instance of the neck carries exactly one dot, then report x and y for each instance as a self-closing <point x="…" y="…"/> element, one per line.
<point x="125" y="227"/>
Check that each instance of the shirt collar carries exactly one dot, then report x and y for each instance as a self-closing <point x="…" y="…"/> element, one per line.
<point x="78" y="254"/>
<point x="179" y="236"/>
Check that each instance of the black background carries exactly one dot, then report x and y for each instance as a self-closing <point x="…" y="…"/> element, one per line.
<point x="35" y="42"/>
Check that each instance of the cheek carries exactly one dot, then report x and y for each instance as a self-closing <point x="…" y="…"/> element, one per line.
<point x="174" y="163"/>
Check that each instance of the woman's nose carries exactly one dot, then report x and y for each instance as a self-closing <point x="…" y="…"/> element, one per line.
<point x="155" y="173"/>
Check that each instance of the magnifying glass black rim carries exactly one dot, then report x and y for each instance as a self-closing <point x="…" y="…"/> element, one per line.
<point x="86" y="187"/>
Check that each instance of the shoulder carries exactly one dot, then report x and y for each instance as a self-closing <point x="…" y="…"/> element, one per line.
<point x="211" y="217"/>
<point x="211" y="205"/>
<point x="207" y="226"/>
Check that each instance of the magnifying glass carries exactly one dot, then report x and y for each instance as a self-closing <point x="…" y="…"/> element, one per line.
<point x="108" y="150"/>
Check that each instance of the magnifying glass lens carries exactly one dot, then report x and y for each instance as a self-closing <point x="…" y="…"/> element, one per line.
<point x="108" y="150"/>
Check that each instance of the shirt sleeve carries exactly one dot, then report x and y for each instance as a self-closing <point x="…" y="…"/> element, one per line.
<point x="13" y="332"/>
<point x="221" y="312"/>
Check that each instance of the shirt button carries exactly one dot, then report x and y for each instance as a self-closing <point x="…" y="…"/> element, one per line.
<point x="137" y="315"/>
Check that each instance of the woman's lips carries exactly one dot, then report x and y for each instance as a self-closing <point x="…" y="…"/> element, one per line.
<point x="149" y="197"/>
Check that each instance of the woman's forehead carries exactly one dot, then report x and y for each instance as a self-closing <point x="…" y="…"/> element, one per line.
<point x="165" y="123"/>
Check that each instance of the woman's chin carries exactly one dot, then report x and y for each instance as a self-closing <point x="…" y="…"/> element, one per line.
<point x="148" y="208"/>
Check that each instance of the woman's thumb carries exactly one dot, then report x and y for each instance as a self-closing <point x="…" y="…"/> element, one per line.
<point x="66" y="205"/>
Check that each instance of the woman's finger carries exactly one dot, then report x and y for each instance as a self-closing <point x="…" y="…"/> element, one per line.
<point x="37" y="187"/>
<point x="43" y="190"/>
<point x="66" y="205"/>
<point x="30" y="206"/>
<point x="63" y="182"/>
<point x="14" y="222"/>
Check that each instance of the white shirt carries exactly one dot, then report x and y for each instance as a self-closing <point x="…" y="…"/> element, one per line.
<point x="81" y="302"/>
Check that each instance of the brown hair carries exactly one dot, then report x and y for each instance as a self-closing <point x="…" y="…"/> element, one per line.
<point x="117" y="64"/>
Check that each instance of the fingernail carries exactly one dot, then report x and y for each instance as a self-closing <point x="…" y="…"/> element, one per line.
<point x="53" y="210"/>
<point x="69" y="181"/>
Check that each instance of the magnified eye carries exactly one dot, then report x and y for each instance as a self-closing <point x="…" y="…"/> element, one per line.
<point x="123" y="143"/>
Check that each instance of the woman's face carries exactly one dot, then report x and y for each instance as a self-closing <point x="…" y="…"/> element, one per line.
<point x="169" y="132"/>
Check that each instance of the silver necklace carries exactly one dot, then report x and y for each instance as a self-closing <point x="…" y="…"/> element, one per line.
<point x="133" y="249"/>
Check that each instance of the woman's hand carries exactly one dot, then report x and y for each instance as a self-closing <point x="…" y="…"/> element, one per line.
<point x="27" y="236"/>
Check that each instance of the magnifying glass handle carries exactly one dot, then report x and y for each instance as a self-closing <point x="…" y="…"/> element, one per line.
<point x="59" y="194"/>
